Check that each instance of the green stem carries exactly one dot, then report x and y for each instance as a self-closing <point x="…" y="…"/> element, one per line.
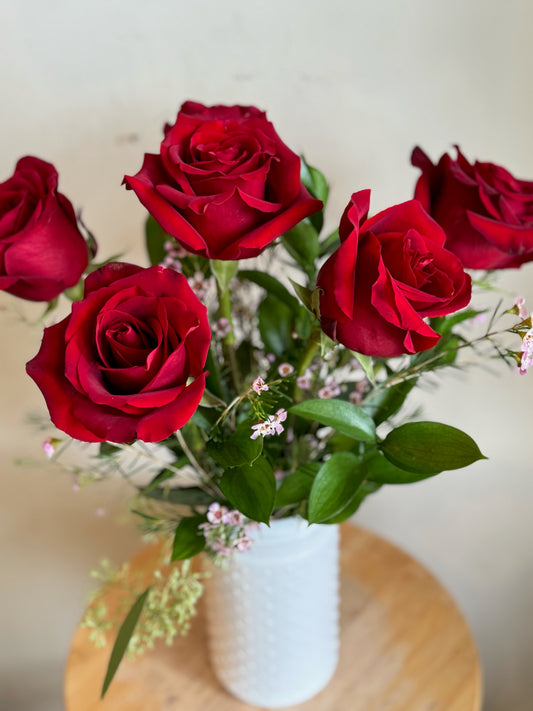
<point x="414" y="370"/>
<point x="228" y="342"/>
<point x="214" y="379"/>
<point x="305" y="361"/>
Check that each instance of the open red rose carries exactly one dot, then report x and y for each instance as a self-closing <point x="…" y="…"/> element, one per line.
<point x="224" y="185"/>
<point x="390" y="272"/>
<point x="486" y="213"/>
<point x="128" y="362"/>
<point x="42" y="252"/>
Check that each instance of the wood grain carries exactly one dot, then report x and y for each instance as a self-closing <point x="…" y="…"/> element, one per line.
<point x="404" y="647"/>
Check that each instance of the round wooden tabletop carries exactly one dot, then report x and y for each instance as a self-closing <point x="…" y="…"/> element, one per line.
<point x="404" y="647"/>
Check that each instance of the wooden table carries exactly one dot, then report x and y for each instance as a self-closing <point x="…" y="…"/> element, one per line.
<point x="405" y="647"/>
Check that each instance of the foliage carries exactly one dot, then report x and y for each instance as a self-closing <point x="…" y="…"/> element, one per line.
<point x="290" y="424"/>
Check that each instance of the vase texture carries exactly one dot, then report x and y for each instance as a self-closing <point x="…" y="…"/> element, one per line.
<point x="273" y="614"/>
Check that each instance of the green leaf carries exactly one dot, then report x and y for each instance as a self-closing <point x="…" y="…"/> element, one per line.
<point x="75" y="293"/>
<point x="317" y="185"/>
<point x="155" y="240"/>
<point x="297" y="485"/>
<point x="366" y="364"/>
<point x="251" y="489"/>
<point x="273" y="287"/>
<point x="245" y="355"/>
<point x="330" y="244"/>
<point x="380" y="470"/>
<point x="124" y="635"/>
<point x="304" y="294"/>
<point x="302" y="244"/>
<point x="186" y="496"/>
<point x="314" y="181"/>
<point x="237" y="449"/>
<point x="188" y="539"/>
<point x="387" y="402"/>
<point x="211" y="400"/>
<point x="107" y="449"/>
<point x="326" y="345"/>
<point x="444" y="324"/>
<point x="224" y="272"/>
<point x="51" y="305"/>
<point x="366" y="488"/>
<point x="275" y="325"/>
<point x="158" y="479"/>
<point x="334" y="486"/>
<point x="341" y="415"/>
<point x="204" y="418"/>
<point x="429" y="448"/>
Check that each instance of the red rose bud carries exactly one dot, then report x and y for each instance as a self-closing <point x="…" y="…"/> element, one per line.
<point x="128" y="362"/>
<point x="42" y="252"/>
<point x="486" y="213"/>
<point x="390" y="272"/>
<point x="224" y="184"/>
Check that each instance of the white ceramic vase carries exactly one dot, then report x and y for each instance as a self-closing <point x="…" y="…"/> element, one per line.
<point x="273" y="614"/>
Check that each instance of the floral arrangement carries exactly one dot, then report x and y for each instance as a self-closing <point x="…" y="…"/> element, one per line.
<point x="268" y="388"/>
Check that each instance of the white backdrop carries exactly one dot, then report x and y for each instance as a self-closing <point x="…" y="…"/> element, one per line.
<point x="354" y="86"/>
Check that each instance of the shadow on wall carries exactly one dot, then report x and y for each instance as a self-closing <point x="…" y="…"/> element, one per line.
<point x="42" y="694"/>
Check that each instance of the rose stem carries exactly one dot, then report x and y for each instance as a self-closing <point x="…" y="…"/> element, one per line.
<point x="228" y="342"/>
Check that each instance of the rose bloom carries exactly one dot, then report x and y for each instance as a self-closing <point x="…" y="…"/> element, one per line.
<point x="486" y="213"/>
<point x="42" y="252"/>
<point x="128" y="362"/>
<point x="390" y="272"/>
<point x="224" y="184"/>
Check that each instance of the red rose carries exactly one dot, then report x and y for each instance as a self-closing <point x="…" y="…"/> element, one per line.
<point x="118" y="368"/>
<point x="390" y="272"/>
<point x="487" y="214"/>
<point x="41" y="249"/>
<point x="224" y="185"/>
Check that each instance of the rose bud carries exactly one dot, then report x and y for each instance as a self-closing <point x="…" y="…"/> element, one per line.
<point x="127" y="363"/>
<point x="42" y="252"/>
<point x="224" y="184"/>
<point x="486" y="213"/>
<point x="389" y="274"/>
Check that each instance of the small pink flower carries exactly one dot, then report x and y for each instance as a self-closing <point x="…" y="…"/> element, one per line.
<point x="48" y="447"/>
<point x="243" y="544"/>
<point x="276" y="420"/>
<point x="233" y="518"/>
<point x="199" y="284"/>
<point x="222" y="327"/>
<point x="216" y="513"/>
<point x="99" y="512"/>
<point x="272" y="425"/>
<point x="285" y="369"/>
<point x="171" y="263"/>
<point x="174" y="249"/>
<point x="221" y="548"/>
<point x="281" y="415"/>
<point x="363" y="386"/>
<point x="259" y="385"/>
<point x="279" y="474"/>
<point x="261" y="429"/>
<point x="270" y="357"/>
<point x="527" y="352"/>
<point x="330" y="389"/>
<point x="355" y="397"/>
<point x="304" y="381"/>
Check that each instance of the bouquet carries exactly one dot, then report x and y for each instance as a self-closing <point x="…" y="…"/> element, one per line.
<point x="259" y="369"/>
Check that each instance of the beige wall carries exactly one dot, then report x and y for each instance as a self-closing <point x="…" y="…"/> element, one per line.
<point x="354" y="85"/>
